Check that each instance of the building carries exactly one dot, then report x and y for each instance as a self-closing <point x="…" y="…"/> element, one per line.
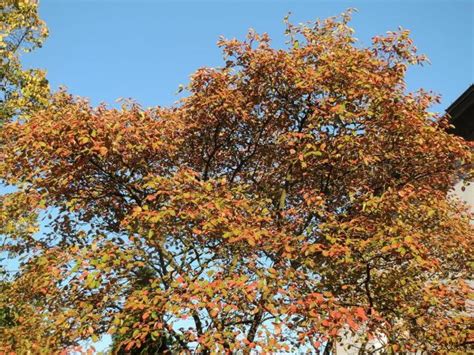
<point x="462" y="115"/>
<point x="462" y="118"/>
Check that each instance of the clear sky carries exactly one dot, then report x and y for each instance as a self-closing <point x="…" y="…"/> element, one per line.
<point x="106" y="49"/>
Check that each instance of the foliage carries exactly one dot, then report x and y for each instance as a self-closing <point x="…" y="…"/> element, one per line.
<point x="21" y="30"/>
<point x="293" y="195"/>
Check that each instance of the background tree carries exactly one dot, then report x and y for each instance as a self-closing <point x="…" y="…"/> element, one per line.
<point x="21" y="30"/>
<point x="294" y="195"/>
<point x="21" y="93"/>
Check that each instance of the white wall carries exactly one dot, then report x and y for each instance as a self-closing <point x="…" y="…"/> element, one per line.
<point x="467" y="195"/>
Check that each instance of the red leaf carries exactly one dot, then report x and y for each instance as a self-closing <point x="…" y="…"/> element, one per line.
<point x="361" y="313"/>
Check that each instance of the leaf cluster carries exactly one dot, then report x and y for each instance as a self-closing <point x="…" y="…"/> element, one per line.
<point x="294" y="195"/>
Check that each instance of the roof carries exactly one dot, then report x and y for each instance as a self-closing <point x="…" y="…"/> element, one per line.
<point x="462" y="114"/>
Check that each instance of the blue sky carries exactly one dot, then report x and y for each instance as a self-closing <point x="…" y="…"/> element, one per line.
<point x="107" y="49"/>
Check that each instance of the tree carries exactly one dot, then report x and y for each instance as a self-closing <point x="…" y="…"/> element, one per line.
<point x="21" y="91"/>
<point x="293" y="195"/>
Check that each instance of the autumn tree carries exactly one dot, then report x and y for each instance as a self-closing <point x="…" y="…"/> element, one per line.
<point x="292" y="196"/>
<point x="21" y="30"/>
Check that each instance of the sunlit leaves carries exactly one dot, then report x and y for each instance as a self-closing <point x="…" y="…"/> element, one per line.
<point x="293" y="196"/>
<point x="21" y="91"/>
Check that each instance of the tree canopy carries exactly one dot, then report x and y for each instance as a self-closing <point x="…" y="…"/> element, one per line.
<point x="21" y="30"/>
<point x="293" y="195"/>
